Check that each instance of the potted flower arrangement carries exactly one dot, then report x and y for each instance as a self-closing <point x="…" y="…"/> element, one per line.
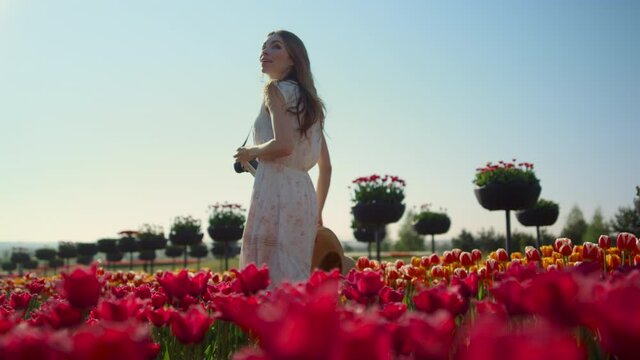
<point x="150" y="239"/>
<point x="366" y="234"/>
<point x="427" y="222"/>
<point x="507" y="186"/>
<point x="637" y="199"/>
<point x="226" y="222"/>
<point x="378" y="200"/>
<point x="185" y="231"/>
<point x="543" y="213"/>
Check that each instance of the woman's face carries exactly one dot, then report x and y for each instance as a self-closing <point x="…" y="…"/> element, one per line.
<point x="275" y="58"/>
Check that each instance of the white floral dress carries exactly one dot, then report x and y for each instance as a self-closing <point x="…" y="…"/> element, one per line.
<point x="282" y="221"/>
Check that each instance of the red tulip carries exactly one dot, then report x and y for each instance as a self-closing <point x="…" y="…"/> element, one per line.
<point x="425" y="336"/>
<point x="369" y="283"/>
<point x="393" y="311"/>
<point x="626" y="241"/>
<point x="604" y="242"/>
<point x="20" y="300"/>
<point x="561" y="241"/>
<point x="466" y="259"/>
<point x="388" y="295"/>
<point x="449" y="257"/>
<point x="460" y="273"/>
<point x="116" y="342"/>
<point x="501" y="255"/>
<point x="437" y="271"/>
<point x="82" y="287"/>
<point x="565" y="249"/>
<point x="492" y="266"/>
<point x="492" y="338"/>
<point x="143" y="291"/>
<point x="511" y="293"/>
<point x="532" y="254"/>
<point x="424" y="262"/>
<point x="191" y="327"/>
<point x="158" y="299"/>
<point x="589" y="251"/>
<point x="59" y="314"/>
<point x="434" y="259"/>
<point x="476" y="255"/>
<point x="159" y="317"/>
<point x="119" y="310"/>
<point x="36" y="286"/>
<point x="251" y="279"/>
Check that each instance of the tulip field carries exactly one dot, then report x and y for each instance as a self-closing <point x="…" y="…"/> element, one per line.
<point x="560" y="302"/>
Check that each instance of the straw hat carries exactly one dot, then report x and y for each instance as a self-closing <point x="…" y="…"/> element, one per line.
<point x="328" y="253"/>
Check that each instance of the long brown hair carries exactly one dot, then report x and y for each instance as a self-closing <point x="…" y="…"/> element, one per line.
<point x="309" y="109"/>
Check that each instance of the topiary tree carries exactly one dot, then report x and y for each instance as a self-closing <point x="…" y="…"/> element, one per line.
<point x="198" y="251"/>
<point x="151" y="238"/>
<point x="86" y="252"/>
<point x="173" y="252"/>
<point x="55" y="263"/>
<point x="115" y="256"/>
<point x="148" y="256"/>
<point x="46" y="255"/>
<point x="31" y="265"/>
<point x="108" y="246"/>
<point x="20" y="257"/>
<point x="66" y="251"/>
<point x="128" y="244"/>
<point x="185" y="232"/>
<point x="9" y="267"/>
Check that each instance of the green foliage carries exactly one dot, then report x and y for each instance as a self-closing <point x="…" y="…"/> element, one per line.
<point x="408" y="239"/>
<point x="546" y="204"/>
<point x="378" y="189"/>
<point x="185" y="225"/>
<point x="505" y="172"/>
<point x="575" y="227"/>
<point x="150" y="232"/>
<point x="638" y="191"/>
<point x="227" y="215"/>
<point x="520" y="240"/>
<point x="626" y="220"/>
<point x="465" y="241"/>
<point x="488" y="240"/>
<point x="430" y="215"/>
<point x="596" y="228"/>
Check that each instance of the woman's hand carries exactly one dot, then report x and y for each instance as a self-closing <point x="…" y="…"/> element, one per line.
<point x="245" y="154"/>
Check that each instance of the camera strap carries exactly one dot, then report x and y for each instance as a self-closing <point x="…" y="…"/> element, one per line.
<point x="247" y="139"/>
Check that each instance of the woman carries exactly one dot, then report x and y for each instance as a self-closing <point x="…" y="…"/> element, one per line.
<point x="285" y="209"/>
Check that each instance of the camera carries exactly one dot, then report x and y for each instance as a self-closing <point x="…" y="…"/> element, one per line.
<point x="237" y="166"/>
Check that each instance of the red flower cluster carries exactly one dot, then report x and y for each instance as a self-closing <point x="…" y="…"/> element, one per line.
<point x="557" y="301"/>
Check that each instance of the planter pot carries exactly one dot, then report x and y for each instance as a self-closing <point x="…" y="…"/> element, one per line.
<point x="537" y="217"/>
<point x="184" y="239"/>
<point x="378" y="213"/>
<point x="367" y="234"/>
<point x="510" y="196"/>
<point x="218" y="250"/>
<point x="432" y="226"/>
<point x="225" y="234"/>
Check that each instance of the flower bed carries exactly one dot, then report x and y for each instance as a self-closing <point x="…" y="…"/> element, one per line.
<point x="565" y="301"/>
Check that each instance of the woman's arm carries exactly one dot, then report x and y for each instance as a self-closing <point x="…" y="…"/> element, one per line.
<point x="324" y="178"/>
<point x="283" y="132"/>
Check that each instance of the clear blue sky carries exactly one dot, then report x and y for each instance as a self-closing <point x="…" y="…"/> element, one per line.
<point x="118" y="113"/>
